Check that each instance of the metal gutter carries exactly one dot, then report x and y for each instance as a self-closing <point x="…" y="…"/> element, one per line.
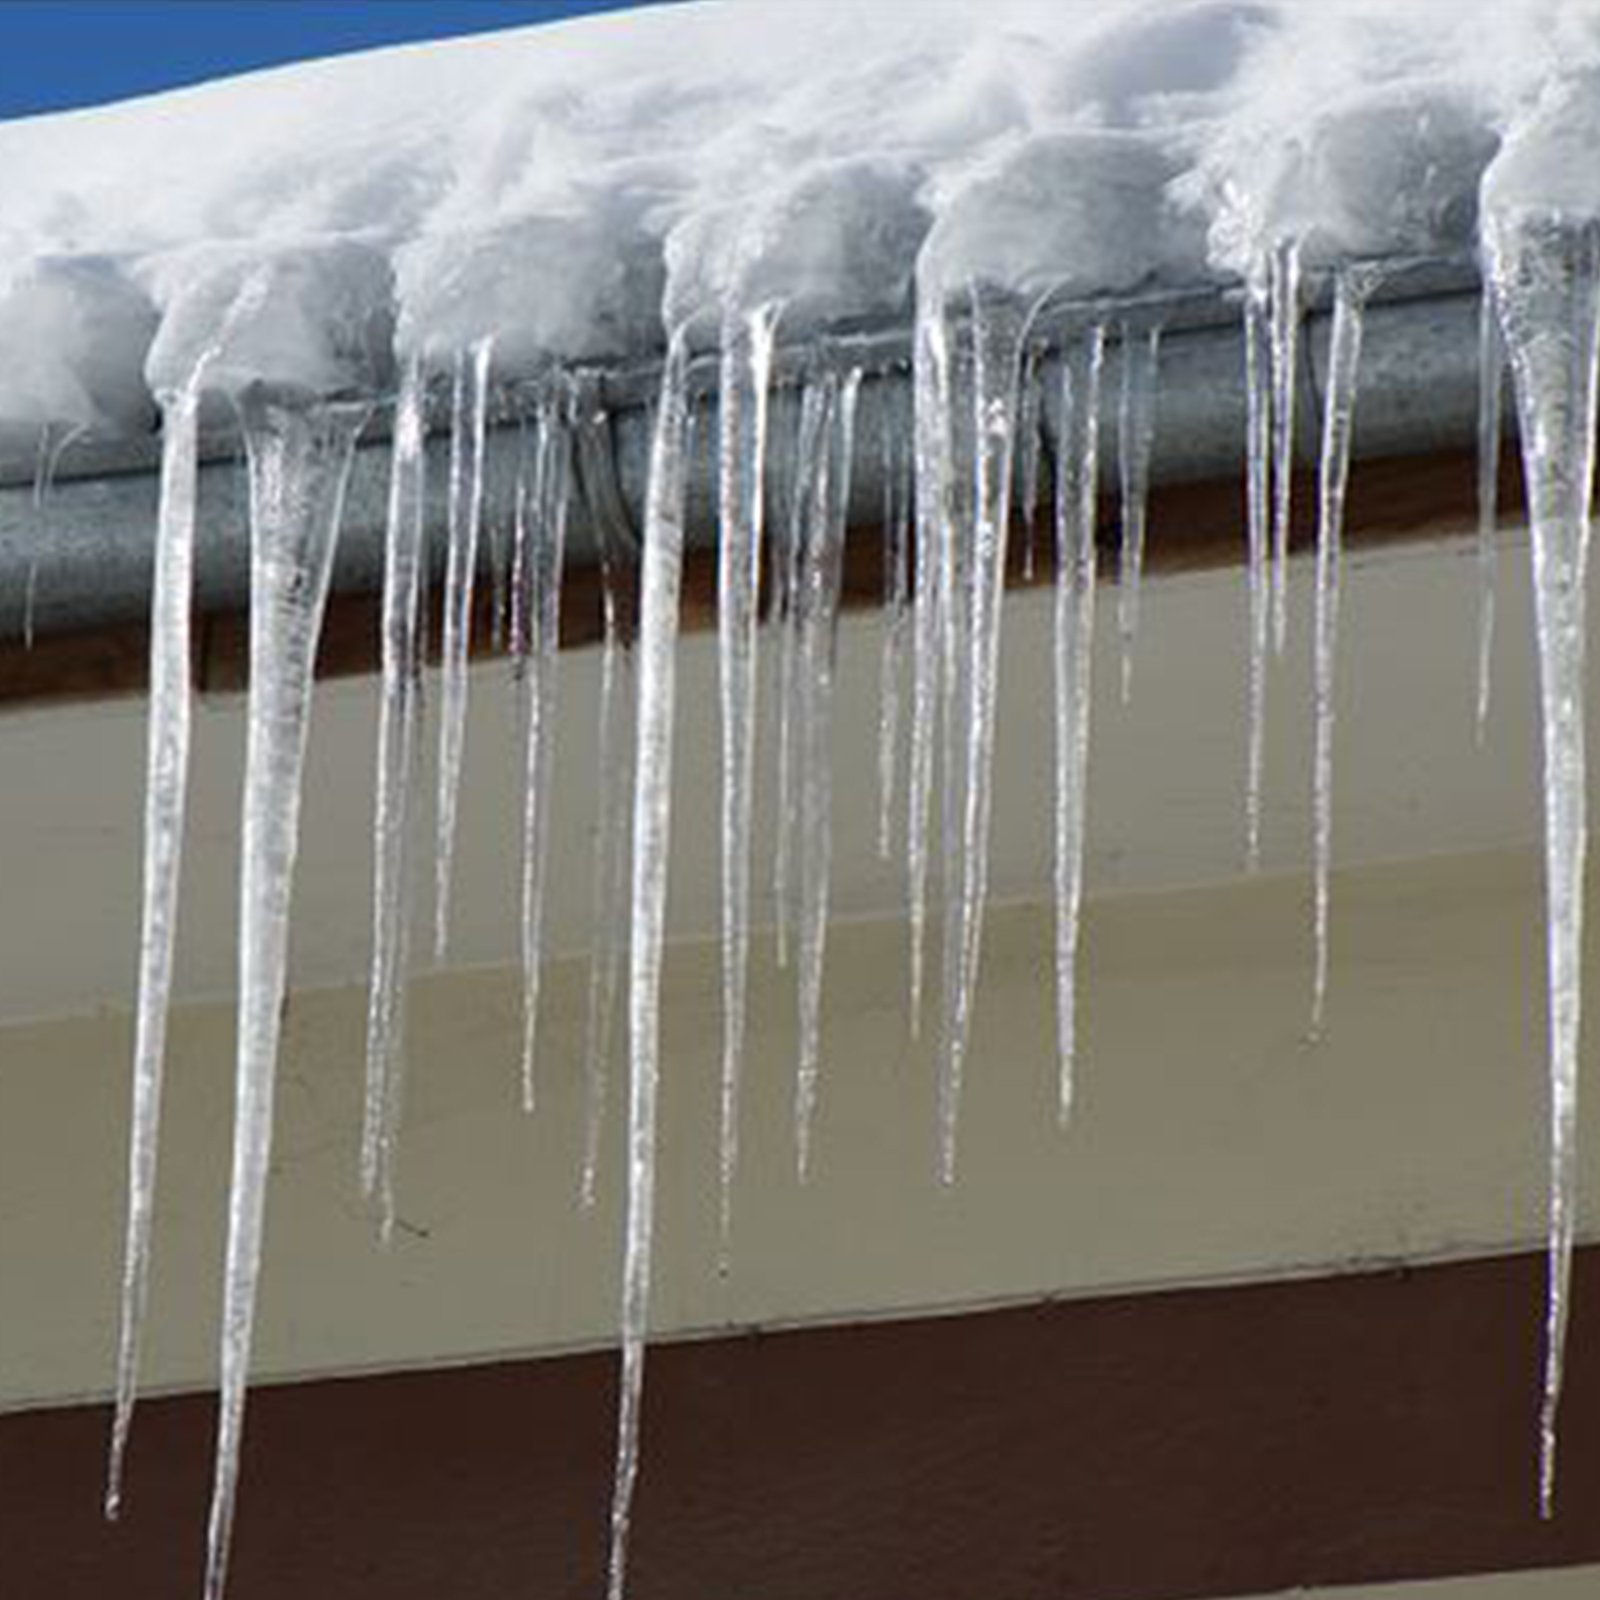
<point x="86" y="554"/>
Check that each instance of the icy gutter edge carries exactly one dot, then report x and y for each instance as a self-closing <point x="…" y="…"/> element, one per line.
<point x="87" y="554"/>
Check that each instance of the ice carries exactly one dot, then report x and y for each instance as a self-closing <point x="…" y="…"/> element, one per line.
<point x="468" y="429"/>
<point x="660" y="581"/>
<point x="1540" y="238"/>
<point x="546" y="525"/>
<point x="811" y="454"/>
<point x="826" y="499"/>
<point x="166" y="791"/>
<point x="1258" y="489"/>
<point x="1077" y="486"/>
<point x="746" y="366"/>
<point x="1136" y="401"/>
<point x="1283" y="302"/>
<point x="608" y="875"/>
<point x="395" y="824"/>
<point x="1491" y="382"/>
<point x="1351" y="291"/>
<point x="896" y="607"/>
<point x="299" y="454"/>
<point x="999" y="327"/>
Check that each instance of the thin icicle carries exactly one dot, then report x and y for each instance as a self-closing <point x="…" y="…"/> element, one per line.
<point x="48" y="462"/>
<point x="999" y="326"/>
<point x="1491" y="380"/>
<point x="822" y="571"/>
<point x="166" y="792"/>
<point x="608" y="875"/>
<point x="1258" y="479"/>
<point x="299" y="465"/>
<point x="1028" y="455"/>
<point x="394" y="850"/>
<point x="1136" y="417"/>
<point x="1283" y="290"/>
<point x="660" y="582"/>
<point x="896" y="595"/>
<point x="468" y="432"/>
<point x="1077" y="488"/>
<point x="548" y="537"/>
<point x="1546" y="277"/>
<point x="931" y="380"/>
<point x="809" y="450"/>
<point x="747" y="342"/>
<point x="1351" y="290"/>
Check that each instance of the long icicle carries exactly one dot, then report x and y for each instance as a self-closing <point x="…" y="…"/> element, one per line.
<point x="545" y="556"/>
<point x="1077" y="495"/>
<point x="548" y="535"/>
<point x="809" y="449"/>
<point x="1283" y="289"/>
<point x="394" y="851"/>
<point x="166" y="792"/>
<point x="299" y="465"/>
<point x="1546" y="277"/>
<point x="747" y="341"/>
<point x="1141" y="355"/>
<point x="608" y="872"/>
<point x="819" y="622"/>
<point x="1258" y="489"/>
<point x="1351" y="290"/>
<point x="661" y="580"/>
<point x="468" y="432"/>
<point x="931" y="401"/>
<point x="1491" y="382"/>
<point x="999" y="326"/>
<point x="896" y="595"/>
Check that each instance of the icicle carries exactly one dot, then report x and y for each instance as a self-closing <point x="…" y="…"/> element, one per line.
<point x="469" y="421"/>
<point x="1546" y="280"/>
<point x="1284" y="316"/>
<point x="1351" y="290"/>
<point x="821" y="572"/>
<point x="1258" y="444"/>
<point x="1135" y="434"/>
<point x="931" y="380"/>
<point x="1028" y="455"/>
<point x="999" y="326"/>
<point x="896" y="593"/>
<point x="299" y="464"/>
<point x="548" y="533"/>
<point x="1491" y="378"/>
<point x="809" y="451"/>
<point x="1077" y="487"/>
<point x="394" y="863"/>
<point x="47" y="464"/>
<point x="660" y="580"/>
<point x="608" y="878"/>
<point x="747" y="342"/>
<point x="166" y="791"/>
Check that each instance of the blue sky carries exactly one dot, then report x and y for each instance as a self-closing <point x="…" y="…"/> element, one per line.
<point x="63" y="53"/>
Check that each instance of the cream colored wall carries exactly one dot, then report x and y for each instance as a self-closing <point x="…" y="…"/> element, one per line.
<point x="1211" y="1142"/>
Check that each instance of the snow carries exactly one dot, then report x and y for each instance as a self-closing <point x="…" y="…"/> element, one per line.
<point x="1016" y="181"/>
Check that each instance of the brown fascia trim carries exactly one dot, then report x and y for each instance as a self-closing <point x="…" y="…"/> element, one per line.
<point x="1193" y="527"/>
<point x="1198" y="1443"/>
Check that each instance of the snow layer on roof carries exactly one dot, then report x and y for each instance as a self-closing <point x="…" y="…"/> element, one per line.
<point x="569" y="189"/>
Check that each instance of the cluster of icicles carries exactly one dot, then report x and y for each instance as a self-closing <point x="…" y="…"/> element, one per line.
<point x="976" y="438"/>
